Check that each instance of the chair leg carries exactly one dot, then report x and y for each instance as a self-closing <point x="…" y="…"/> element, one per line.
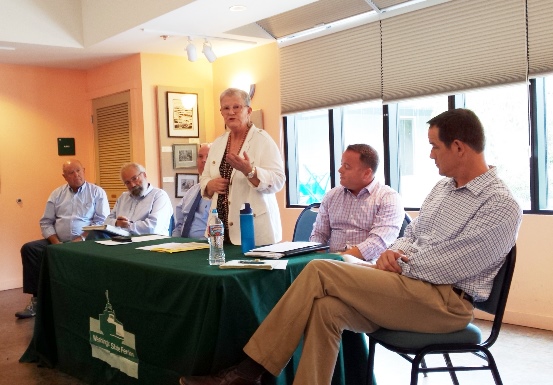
<point x="370" y="363"/>
<point x="417" y="361"/>
<point x="452" y="373"/>
<point x="423" y="364"/>
<point x="493" y="367"/>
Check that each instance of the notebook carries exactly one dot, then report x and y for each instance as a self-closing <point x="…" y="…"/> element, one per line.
<point x="286" y="249"/>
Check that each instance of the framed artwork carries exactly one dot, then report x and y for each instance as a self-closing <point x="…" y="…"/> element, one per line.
<point x="184" y="182"/>
<point x="182" y="115"/>
<point x="184" y="155"/>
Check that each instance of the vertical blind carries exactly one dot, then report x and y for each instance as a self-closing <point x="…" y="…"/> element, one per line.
<point x="445" y="48"/>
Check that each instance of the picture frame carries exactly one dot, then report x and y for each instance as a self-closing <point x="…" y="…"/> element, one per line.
<point x="184" y="182"/>
<point x="182" y="115"/>
<point x="185" y="155"/>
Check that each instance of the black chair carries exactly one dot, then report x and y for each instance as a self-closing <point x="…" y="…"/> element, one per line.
<point x="468" y="340"/>
<point x="406" y="221"/>
<point x="304" y="223"/>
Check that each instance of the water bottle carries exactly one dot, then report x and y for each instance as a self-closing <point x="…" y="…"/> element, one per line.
<point x="216" y="232"/>
<point x="247" y="233"/>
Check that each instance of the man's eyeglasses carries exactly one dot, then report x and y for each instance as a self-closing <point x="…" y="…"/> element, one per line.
<point x="235" y="109"/>
<point x="133" y="179"/>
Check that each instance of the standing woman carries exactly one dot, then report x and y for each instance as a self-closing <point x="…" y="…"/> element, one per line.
<point x="244" y="165"/>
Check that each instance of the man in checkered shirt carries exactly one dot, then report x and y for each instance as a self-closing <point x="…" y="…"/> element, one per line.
<point x="362" y="216"/>
<point x="425" y="282"/>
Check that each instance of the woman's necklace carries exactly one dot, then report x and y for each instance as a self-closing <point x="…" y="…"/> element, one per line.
<point x="241" y="143"/>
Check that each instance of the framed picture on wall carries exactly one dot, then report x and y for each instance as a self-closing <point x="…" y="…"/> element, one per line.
<point x="184" y="182"/>
<point x="184" y="155"/>
<point x="182" y="115"/>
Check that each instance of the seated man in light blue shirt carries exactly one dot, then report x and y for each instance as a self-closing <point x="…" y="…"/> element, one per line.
<point x="143" y="209"/>
<point x="69" y="208"/>
<point x="199" y="211"/>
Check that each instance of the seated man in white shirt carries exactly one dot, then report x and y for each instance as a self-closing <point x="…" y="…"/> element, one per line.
<point x="69" y="208"/>
<point x="193" y="205"/>
<point x="362" y="217"/>
<point x="144" y="209"/>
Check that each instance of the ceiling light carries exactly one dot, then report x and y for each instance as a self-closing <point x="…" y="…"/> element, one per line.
<point x="238" y="8"/>
<point x="208" y="52"/>
<point x="191" y="51"/>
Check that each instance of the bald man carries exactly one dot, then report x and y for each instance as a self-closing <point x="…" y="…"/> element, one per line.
<point x="69" y="208"/>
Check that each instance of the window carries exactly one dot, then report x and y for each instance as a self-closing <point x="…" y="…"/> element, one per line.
<point x="362" y="123"/>
<point x="503" y="112"/>
<point x="308" y="157"/>
<point x="416" y="172"/>
<point x="520" y="148"/>
<point x="549" y="138"/>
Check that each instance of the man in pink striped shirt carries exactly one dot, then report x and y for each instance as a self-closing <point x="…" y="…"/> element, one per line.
<point x="362" y="217"/>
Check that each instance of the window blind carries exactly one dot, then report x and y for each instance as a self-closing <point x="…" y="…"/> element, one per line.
<point x="446" y="48"/>
<point x="336" y="69"/>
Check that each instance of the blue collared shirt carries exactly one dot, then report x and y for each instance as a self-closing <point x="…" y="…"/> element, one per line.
<point x="67" y="212"/>
<point x="199" y="223"/>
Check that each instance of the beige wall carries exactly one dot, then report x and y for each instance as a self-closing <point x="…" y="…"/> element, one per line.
<point x="38" y="105"/>
<point x="262" y="64"/>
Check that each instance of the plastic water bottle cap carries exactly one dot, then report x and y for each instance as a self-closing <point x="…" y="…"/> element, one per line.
<point x="214" y="211"/>
<point x="247" y="209"/>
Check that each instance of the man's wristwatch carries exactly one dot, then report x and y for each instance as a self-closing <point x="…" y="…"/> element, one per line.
<point x="251" y="174"/>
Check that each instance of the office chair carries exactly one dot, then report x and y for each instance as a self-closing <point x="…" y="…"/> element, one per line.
<point x="304" y="223"/>
<point x="406" y="221"/>
<point x="171" y="225"/>
<point x="467" y="340"/>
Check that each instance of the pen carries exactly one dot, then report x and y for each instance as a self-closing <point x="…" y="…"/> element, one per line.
<point x="252" y="262"/>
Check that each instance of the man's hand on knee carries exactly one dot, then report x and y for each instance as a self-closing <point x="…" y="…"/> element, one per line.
<point x="388" y="261"/>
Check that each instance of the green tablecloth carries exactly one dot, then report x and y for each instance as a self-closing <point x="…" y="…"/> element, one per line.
<point x="169" y="314"/>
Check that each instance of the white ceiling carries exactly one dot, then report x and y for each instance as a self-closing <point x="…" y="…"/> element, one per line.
<point x="82" y="34"/>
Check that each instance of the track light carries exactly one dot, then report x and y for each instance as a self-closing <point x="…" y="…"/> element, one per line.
<point x="191" y="51"/>
<point x="208" y="52"/>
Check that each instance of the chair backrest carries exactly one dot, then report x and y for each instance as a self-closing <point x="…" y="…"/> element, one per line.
<point x="304" y="224"/>
<point x="406" y="221"/>
<point x="496" y="302"/>
<point x="171" y="225"/>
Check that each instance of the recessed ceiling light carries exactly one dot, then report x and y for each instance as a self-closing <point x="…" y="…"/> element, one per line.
<point x="238" y="8"/>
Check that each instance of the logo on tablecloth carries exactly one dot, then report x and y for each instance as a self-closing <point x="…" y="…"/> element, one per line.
<point x="111" y="343"/>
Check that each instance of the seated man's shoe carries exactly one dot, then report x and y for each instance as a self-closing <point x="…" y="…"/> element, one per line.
<point x="230" y="376"/>
<point x="29" y="311"/>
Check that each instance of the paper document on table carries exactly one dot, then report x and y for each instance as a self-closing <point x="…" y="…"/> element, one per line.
<point x="285" y="249"/>
<point x="251" y="264"/>
<point x="175" y="247"/>
<point x="143" y="238"/>
<point x="108" y="229"/>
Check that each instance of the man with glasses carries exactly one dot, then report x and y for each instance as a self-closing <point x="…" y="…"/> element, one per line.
<point x="144" y="209"/>
<point x="69" y="208"/>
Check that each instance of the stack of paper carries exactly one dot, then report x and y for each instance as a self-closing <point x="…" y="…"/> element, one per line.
<point x="108" y="229"/>
<point x="174" y="247"/>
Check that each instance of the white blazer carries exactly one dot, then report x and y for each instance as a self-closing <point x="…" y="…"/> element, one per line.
<point x="265" y="156"/>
